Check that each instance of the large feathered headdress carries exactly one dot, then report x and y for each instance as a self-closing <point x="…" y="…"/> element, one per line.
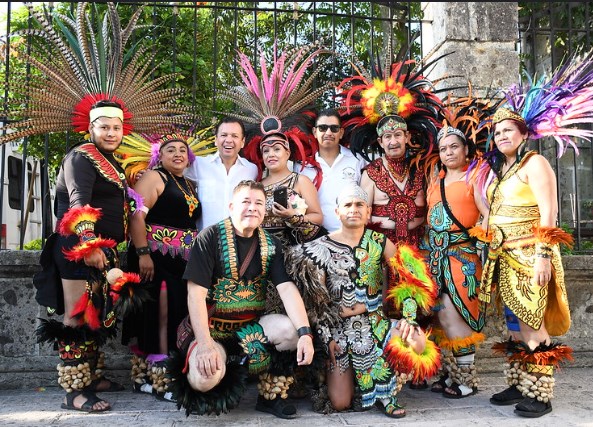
<point x="140" y="151"/>
<point x="279" y="101"/>
<point x="388" y="89"/>
<point x="551" y="106"/>
<point x="76" y="66"/>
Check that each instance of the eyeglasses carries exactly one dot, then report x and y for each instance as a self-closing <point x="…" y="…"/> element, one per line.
<point x="324" y="128"/>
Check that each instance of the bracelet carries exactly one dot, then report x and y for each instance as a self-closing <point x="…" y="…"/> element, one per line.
<point x="294" y="220"/>
<point x="145" y="250"/>
<point x="305" y="330"/>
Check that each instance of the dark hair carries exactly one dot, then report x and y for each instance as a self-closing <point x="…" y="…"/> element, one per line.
<point x="329" y="112"/>
<point x="251" y="184"/>
<point x="106" y="103"/>
<point x="229" y="119"/>
<point x="520" y="125"/>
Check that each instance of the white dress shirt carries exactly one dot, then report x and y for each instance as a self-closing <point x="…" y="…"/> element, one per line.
<point x="215" y="186"/>
<point x="346" y="169"/>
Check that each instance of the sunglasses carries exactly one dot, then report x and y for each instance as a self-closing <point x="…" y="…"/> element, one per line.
<point x="324" y="128"/>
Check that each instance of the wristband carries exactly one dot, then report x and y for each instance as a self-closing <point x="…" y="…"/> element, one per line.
<point x="305" y="330"/>
<point x="145" y="250"/>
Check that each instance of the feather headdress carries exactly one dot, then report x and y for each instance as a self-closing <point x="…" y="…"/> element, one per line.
<point x="139" y="151"/>
<point x="279" y="101"/>
<point x="554" y="106"/>
<point x="551" y="106"/>
<point x="467" y="117"/>
<point x="76" y="67"/>
<point x="396" y="88"/>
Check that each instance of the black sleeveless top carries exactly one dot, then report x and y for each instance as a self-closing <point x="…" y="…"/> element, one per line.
<point x="171" y="208"/>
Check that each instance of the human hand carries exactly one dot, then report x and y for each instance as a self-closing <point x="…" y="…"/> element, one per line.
<point x="281" y="211"/>
<point x="146" y="267"/>
<point x="96" y="259"/>
<point x="208" y="359"/>
<point x="333" y="349"/>
<point x="139" y="174"/>
<point x="542" y="271"/>
<point x="305" y="350"/>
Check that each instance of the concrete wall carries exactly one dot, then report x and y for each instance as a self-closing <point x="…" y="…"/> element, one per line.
<point x="26" y="364"/>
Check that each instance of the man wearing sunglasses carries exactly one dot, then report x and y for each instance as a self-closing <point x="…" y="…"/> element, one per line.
<point x="339" y="167"/>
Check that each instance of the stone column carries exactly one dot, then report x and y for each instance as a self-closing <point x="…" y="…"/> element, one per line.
<point x="482" y="38"/>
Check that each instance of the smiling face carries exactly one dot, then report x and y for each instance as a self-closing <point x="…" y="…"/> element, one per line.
<point x="326" y="137"/>
<point x="247" y="209"/>
<point x="508" y="137"/>
<point x="229" y="140"/>
<point x="275" y="156"/>
<point x="453" y="152"/>
<point x="394" y="143"/>
<point x="174" y="157"/>
<point x="107" y="133"/>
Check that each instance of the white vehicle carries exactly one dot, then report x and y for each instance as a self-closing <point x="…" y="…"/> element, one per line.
<point x="21" y="198"/>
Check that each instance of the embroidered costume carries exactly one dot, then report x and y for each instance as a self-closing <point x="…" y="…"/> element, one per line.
<point x="550" y="106"/>
<point x="65" y="94"/>
<point x="235" y="303"/>
<point x="401" y="207"/>
<point x="354" y="275"/>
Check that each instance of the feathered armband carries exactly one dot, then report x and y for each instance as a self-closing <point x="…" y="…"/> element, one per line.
<point x="81" y="221"/>
<point x="403" y="359"/>
<point x="126" y="292"/>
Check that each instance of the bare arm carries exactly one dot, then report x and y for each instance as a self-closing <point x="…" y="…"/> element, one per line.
<point x="542" y="181"/>
<point x="150" y="186"/>
<point x="208" y="358"/>
<point x="368" y="186"/>
<point x="306" y="188"/>
<point x="295" y="309"/>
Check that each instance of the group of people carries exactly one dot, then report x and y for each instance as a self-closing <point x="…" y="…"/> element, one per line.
<point x="288" y="250"/>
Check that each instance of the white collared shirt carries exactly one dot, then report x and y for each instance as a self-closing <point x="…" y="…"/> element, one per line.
<point x="215" y="186"/>
<point x="346" y="169"/>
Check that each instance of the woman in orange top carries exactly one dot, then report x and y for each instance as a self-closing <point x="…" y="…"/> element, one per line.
<point x="454" y="262"/>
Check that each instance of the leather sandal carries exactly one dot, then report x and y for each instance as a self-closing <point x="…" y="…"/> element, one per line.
<point x="278" y="407"/>
<point x="459" y="391"/>
<point x="91" y="400"/>
<point x="392" y="407"/>
<point x="440" y="385"/>
<point x="509" y="396"/>
<point x="532" y="408"/>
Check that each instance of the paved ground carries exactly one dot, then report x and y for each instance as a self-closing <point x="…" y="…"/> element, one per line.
<point x="573" y="406"/>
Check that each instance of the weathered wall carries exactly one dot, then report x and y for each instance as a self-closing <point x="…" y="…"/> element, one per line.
<point x="24" y="363"/>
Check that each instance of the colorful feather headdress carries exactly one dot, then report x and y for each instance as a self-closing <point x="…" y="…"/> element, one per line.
<point x="554" y="106"/>
<point x="469" y="118"/>
<point x="76" y="66"/>
<point x="280" y="101"/>
<point x="551" y="106"/>
<point x="139" y="151"/>
<point x="394" y="88"/>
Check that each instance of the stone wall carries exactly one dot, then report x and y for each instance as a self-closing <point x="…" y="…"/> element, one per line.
<point x="26" y="364"/>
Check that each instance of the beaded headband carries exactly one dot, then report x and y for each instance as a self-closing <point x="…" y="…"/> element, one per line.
<point x="390" y="123"/>
<point x="273" y="139"/>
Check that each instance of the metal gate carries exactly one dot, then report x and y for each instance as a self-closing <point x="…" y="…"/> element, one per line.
<point x="548" y="32"/>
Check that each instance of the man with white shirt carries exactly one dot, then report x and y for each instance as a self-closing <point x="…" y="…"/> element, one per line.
<point x="218" y="174"/>
<point x="339" y="166"/>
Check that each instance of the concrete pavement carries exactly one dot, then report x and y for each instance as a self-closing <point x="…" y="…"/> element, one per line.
<point x="573" y="406"/>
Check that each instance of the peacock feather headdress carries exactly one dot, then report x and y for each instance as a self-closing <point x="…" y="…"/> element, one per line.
<point x="75" y="66"/>
<point x="280" y="100"/>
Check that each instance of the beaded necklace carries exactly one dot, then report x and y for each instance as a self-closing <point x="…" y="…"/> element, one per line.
<point x="398" y="168"/>
<point x="190" y="198"/>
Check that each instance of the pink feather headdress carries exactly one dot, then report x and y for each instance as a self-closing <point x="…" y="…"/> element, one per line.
<point x="279" y="101"/>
